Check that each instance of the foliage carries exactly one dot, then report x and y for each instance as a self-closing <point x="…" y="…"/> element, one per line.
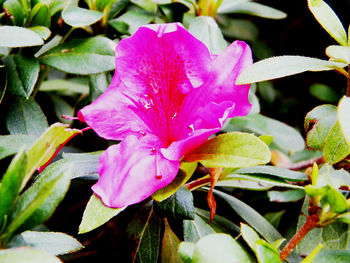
<point x="58" y="56"/>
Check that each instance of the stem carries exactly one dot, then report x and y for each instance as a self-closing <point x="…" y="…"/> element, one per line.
<point x="198" y="183"/>
<point x="303" y="164"/>
<point x="311" y="222"/>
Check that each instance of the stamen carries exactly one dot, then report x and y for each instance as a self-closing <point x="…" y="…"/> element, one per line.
<point x="69" y="117"/>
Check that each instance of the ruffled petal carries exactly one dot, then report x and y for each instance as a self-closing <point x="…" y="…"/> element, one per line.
<point x="131" y="171"/>
<point x="112" y="115"/>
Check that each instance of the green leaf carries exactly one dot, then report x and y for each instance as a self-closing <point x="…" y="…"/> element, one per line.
<point x="37" y="203"/>
<point x="170" y="244"/>
<point x="339" y="53"/>
<point x="282" y="66"/>
<point x="336" y="200"/>
<point x="231" y="150"/>
<point x="311" y="257"/>
<point x="62" y="107"/>
<point x="28" y="255"/>
<point x="178" y="206"/>
<point x="285" y="137"/>
<point x="11" y="183"/>
<point x="25" y="117"/>
<point x="250" y="236"/>
<point x="22" y="74"/>
<point x="82" y="56"/>
<point x="145" y="228"/>
<point x="209" y="247"/>
<point x="333" y="255"/>
<point x="14" y="36"/>
<point x="54" y="243"/>
<point x="207" y="31"/>
<point x="255" y="9"/>
<point x="80" y="17"/>
<point x="333" y="236"/>
<point x="185" y="172"/>
<point x="96" y="214"/>
<point x="45" y="147"/>
<point x="286" y="196"/>
<point x="344" y="218"/>
<point x="42" y="31"/>
<point x="18" y="10"/>
<point x="328" y="20"/>
<point x="322" y="119"/>
<point x="266" y="253"/>
<point x="336" y="147"/>
<point x="64" y="86"/>
<point x="129" y="22"/>
<point x="11" y="144"/>
<point x="344" y="117"/>
<point x="253" y="218"/>
<point x="42" y="17"/>
<point x="274" y="171"/>
<point x="3" y="81"/>
<point x="324" y="93"/>
<point x="148" y="5"/>
<point x="195" y="229"/>
<point x="98" y="84"/>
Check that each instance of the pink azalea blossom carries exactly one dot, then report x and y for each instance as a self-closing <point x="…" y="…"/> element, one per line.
<point x="168" y="95"/>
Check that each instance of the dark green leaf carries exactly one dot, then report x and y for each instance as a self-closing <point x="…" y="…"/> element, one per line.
<point x="82" y="56"/>
<point x="14" y="36"/>
<point x="11" y="144"/>
<point x="3" y="81"/>
<point x="27" y="255"/>
<point x="324" y="92"/>
<point x="42" y="16"/>
<point x="62" y="107"/>
<point x="25" y="117"/>
<point x="98" y="84"/>
<point x="253" y="218"/>
<point x="145" y="228"/>
<point x="96" y="214"/>
<point x="54" y="243"/>
<point x="231" y="150"/>
<point x="284" y="136"/>
<point x="11" y="183"/>
<point x="22" y="74"/>
<point x="179" y="205"/>
<point x="196" y="229"/>
<point x="18" y="10"/>
<point x="322" y="119"/>
<point x="170" y="244"/>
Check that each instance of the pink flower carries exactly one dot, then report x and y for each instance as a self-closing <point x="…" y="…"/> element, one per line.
<point x="167" y="96"/>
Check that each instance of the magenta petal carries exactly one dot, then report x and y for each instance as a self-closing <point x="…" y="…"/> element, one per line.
<point x="162" y="57"/>
<point x="131" y="171"/>
<point x="111" y="115"/>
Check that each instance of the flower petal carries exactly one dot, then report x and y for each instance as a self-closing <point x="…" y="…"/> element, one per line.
<point x="131" y="171"/>
<point x="112" y="116"/>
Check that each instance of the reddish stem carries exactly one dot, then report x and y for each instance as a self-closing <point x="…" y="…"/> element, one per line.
<point x="311" y="222"/>
<point x="197" y="183"/>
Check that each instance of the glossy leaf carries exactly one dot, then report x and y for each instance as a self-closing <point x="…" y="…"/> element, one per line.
<point x="250" y="236"/>
<point x="42" y="31"/>
<point x="339" y="53"/>
<point x="252" y="8"/>
<point x="97" y="85"/>
<point x="178" y="206"/>
<point x="170" y="244"/>
<point x="82" y="56"/>
<point x="209" y="247"/>
<point x="336" y="147"/>
<point x="282" y="66"/>
<point x="96" y="214"/>
<point x="42" y="17"/>
<point x="28" y="255"/>
<point x="344" y="117"/>
<point x="14" y="36"/>
<point x="184" y="174"/>
<point x="286" y="196"/>
<point x="54" y="243"/>
<point x="11" y="183"/>
<point x="231" y="150"/>
<point x="321" y="120"/>
<point x="196" y="229"/>
<point x="25" y="117"/>
<point x="266" y="253"/>
<point x="206" y="30"/>
<point x="11" y="144"/>
<point x="80" y="17"/>
<point x="64" y="86"/>
<point x="253" y="218"/>
<point x="22" y="74"/>
<point x="18" y="10"/>
<point x="328" y="20"/>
